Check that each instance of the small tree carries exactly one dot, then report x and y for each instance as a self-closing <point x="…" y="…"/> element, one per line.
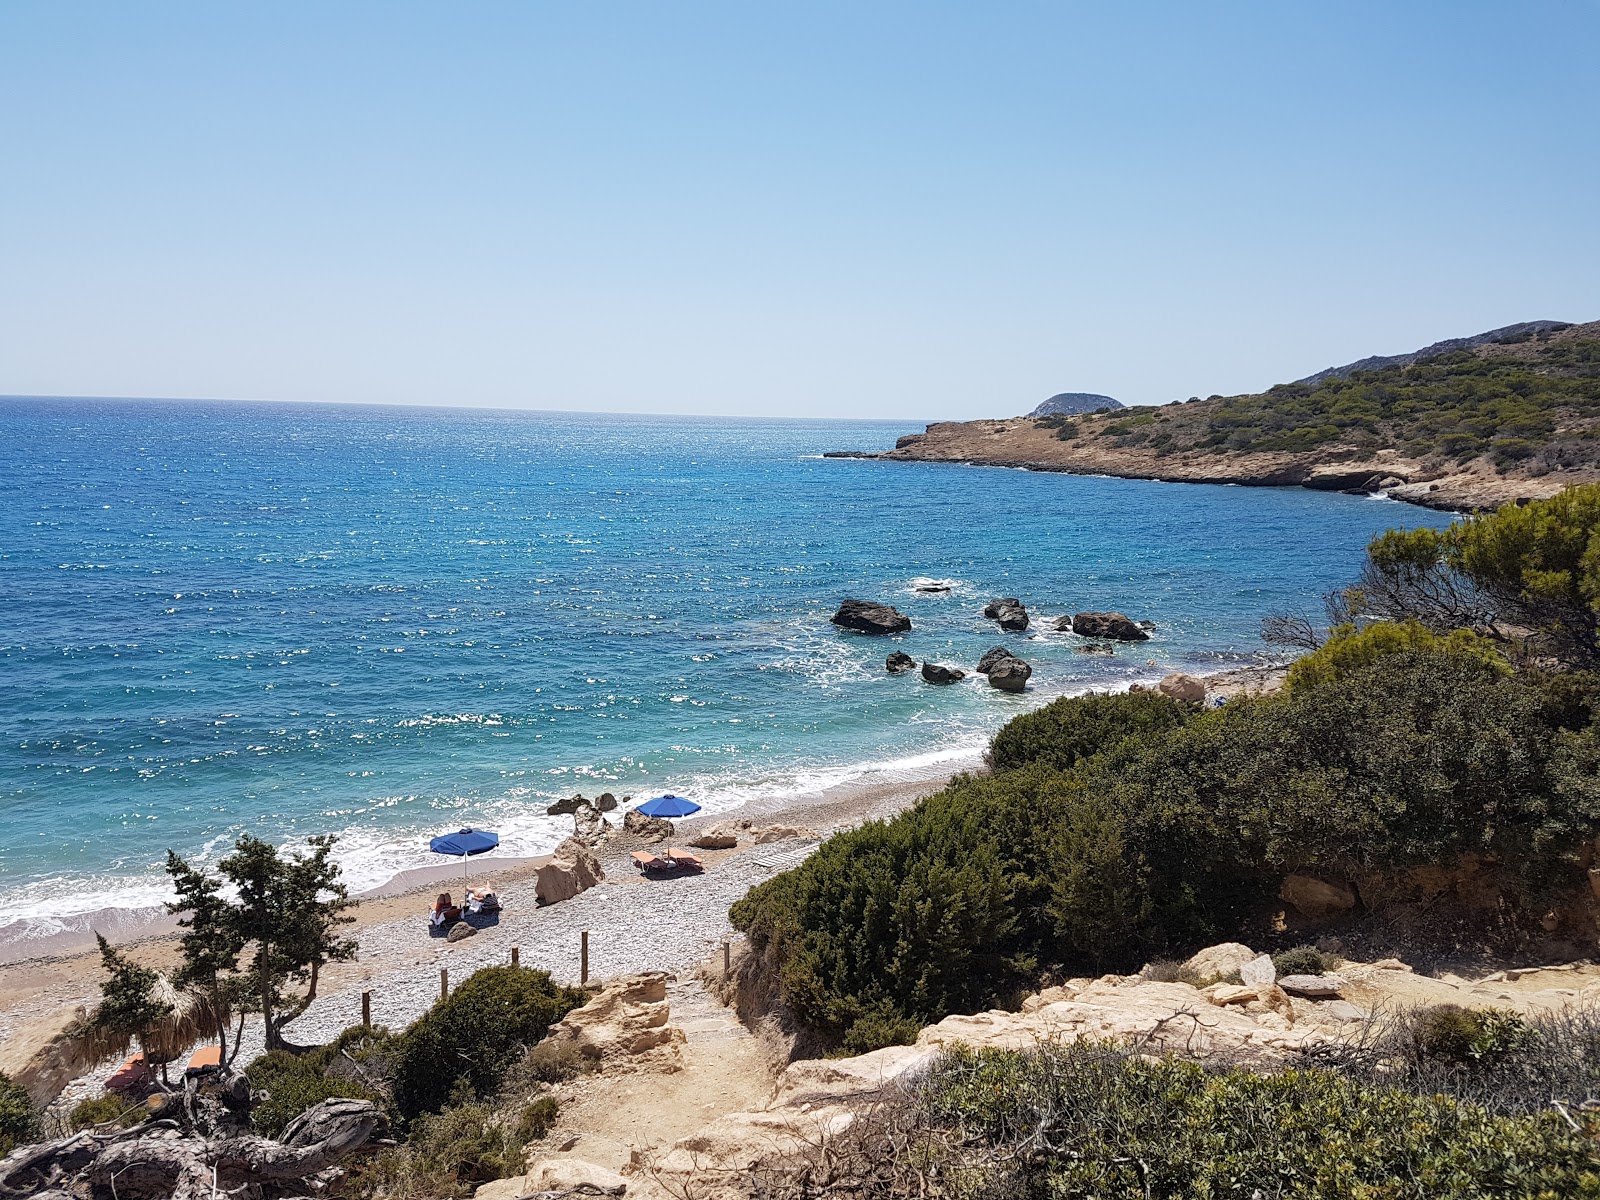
<point x="129" y="1007"/>
<point x="287" y="916"/>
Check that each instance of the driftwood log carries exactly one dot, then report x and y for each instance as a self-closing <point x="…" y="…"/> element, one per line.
<point x="159" y="1159"/>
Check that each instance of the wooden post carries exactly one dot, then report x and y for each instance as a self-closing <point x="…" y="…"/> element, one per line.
<point x="444" y="983"/>
<point x="515" y="956"/>
<point x="366" y="1009"/>
<point x="583" y="970"/>
<point x="727" y="958"/>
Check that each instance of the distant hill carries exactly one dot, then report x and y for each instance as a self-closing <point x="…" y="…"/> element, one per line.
<point x="1071" y="404"/>
<point x="1506" y="335"/>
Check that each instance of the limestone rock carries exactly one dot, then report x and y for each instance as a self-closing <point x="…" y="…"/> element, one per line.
<point x="1316" y="987"/>
<point x="628" y="1019"/>
<point x="573" y="868"/>
<point x="649" y="829"/>
<point x="718" y="837"/>
<point x="898" y="661"/>
<point x="1259" y="971"/>
<point x="864" y="616"/>
<point x="1223" y="994"/>
<point x="1183" y="687"/>
<point x="588" y="826"/>
<point x="1317" y="898"/>
<point x="1334" y="1012"/>
<point x="1107" y="625"/>
<point x="1270" y="998"/>
<point x="460" y="932"/>
<point x="1220" y="961"/>
<point x="1010" y="675"/>
<point x="934" y="673"/>
<point x="573" y="1177"/>
<point x="762" y="834"/>
<point x="1010" y="612"/>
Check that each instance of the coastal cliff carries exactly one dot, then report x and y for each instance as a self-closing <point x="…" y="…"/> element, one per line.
<point x="1479" y="422"/>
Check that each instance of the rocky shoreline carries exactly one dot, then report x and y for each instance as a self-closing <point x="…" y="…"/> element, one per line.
<point x="1021" y="444"/>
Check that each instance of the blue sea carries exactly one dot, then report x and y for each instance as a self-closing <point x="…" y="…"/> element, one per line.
<point x="386" y="623"/>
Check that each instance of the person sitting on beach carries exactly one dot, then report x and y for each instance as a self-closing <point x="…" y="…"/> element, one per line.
<point x="444" y="910"/>
<point x="484" y="901"/>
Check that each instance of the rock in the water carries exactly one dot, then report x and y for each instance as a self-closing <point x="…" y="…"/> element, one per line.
<point x="1317" y="898"/>
<point x="933" y="588"/>
<point x="899" y="661"/>
<point x="573" y="868"/>
<point x="460" y="932"/>
<point x="1010" y="675"/>
<point x="1259" y="971"/>
<point x="934" y="673"/>
<point x="563" y="807"/>
<point x="992" y="657"/>
<point x="1183" y="687"/>
<point x="650" y="829"/>
<point x="1317" y="987"/>
<point x="864" y="616"/>
<point x="1009" y="612"/>
<point x="1107" y="625"/>
<point x="718" y="837"/>
<point x="605" y="802"/>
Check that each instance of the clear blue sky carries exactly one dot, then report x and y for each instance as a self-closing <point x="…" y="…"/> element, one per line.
<point x="919" y="210"/>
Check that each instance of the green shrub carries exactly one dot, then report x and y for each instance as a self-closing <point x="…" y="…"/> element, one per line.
<point x="476" y="1035"/>
<point x="1349" y="650"/>
<point x="19" y="1122"/>
<point x="1138" y="1129"/>
<point x="537" y="1119"/>
<point x="1468" y="1036"/>
<point x="1306" y="960"/>
<point x="546" y="1063"/>
<point x="1065" y="732"/>
<point x="104" y="1110"/>
<point x="296" y="1082"/>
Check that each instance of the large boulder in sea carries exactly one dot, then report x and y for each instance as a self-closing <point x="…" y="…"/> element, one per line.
<point x="562" y="808"/>
<point x="1009" y="612"/>
<point x="573" y="868"/>
<point x="992" y="656"/>
<point x="1105" y="625"/>
<point x="898" y="661"/>
<point x="866" y="616"/>
<point x="1010" y="674"/>
<point x="934" y="673"/>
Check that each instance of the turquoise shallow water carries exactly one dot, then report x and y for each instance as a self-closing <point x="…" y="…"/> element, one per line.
<point x="386" y="622"/>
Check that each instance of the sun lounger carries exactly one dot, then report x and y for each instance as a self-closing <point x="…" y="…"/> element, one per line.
<point x="685" y="861"/>
<point x="131" y="1076"/>
<point x="204" y="1059"/>
<point x="647" y="860"/>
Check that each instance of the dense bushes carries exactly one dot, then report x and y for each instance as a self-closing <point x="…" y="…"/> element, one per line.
<point x="1088" y="1120"/>
<point x="18" y="1120"/>
<point x="351" y="1066"/>
<point x="476" y="1035"/>
<point x="1069" y="730"/>
<point x="1178" y="831"/>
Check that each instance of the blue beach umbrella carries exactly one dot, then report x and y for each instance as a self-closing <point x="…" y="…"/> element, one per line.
<point x="465" y="842"/>
<point x="669" y="806"/>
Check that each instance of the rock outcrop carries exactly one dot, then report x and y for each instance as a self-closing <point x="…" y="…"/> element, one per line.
<point x="727" y="834"/>
<point x="1010" y="612"/>
<point x="1316" y="987"/>
<point x="899" y="661"/>
<point x="865" y="616"/>
<point x="934" y="673"/>
<point x="1183" y="687"/>
<point x="992" y="656"/>
<point x="627" y="1020"/>
<point x="1111" y="625"/>
<point x="588" y="826"/>
<point x="604" y="802"/>
<point x="573" y="868"/>
<point x="1221" y="961"/>
<point x="1317" y="898"/>
<point x="648" y="829"/>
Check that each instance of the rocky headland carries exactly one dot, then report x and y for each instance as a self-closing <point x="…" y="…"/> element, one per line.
<point x="1501" y="417"/>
